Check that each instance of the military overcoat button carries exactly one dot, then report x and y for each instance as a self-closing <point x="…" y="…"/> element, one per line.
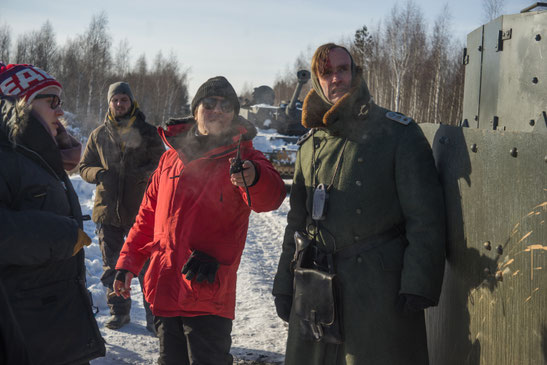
<point x="358" y="211"/>
<point x="360" y="159"/>
<point x="358" y="183"/>
<point x="356" y="238"/>
<point x="359" y="259"/>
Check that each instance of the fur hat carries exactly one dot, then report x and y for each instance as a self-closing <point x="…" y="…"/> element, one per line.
<point x="25" y="81"/>
<point x="119" y="87"/>
<point x="216" y="86"/>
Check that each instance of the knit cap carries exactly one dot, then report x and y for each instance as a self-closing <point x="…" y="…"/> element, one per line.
<point x="216" y="86"/>
<point x="25" y="81"/>
<point x="119" y="87"/>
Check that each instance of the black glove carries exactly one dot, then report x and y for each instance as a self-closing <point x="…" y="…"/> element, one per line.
<point x="283" y="304"/>
<point x="120" y="275"/>
<point x="410" y="303"/>
<point x="201" y="266"/>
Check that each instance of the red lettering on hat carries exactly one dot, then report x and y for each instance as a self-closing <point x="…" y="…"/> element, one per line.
<point x="9" y="87"/>
<point x="27" y="76"/>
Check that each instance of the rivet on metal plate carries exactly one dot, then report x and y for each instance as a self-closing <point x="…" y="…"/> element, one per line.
<point x="513" y="152"/>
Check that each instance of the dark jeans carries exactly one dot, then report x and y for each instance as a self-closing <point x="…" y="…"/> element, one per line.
<point x="111" y="240"/>
<point x="197" y="340"/>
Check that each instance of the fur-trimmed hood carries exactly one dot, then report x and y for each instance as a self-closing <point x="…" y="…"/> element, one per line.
<point x="316" y="113"/>
<point x="174" y="130"/>
<point x="181" y="135"/>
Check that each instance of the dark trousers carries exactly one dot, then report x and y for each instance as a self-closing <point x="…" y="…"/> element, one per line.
<point x="197" y="340"/>
<point x="111" y="240"/>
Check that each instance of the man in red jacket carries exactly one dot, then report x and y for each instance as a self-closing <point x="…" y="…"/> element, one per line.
<point x="192" y="225"/>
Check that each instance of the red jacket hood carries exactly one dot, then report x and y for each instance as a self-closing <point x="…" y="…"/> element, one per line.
<point x="175" y="127"/>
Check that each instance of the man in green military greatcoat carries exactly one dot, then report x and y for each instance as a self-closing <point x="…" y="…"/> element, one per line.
<point x="382" y="225"/>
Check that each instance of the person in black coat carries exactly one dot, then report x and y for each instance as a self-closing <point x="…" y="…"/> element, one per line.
<point x="42" y="264"/>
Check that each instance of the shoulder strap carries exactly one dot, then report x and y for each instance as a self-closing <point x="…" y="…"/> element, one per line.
<point x="304" y="137"/>
<point x="399" y="118"/>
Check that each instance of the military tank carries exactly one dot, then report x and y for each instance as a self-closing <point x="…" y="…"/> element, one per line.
<point x="493" y="306"/>
<point x="279" y="126"/>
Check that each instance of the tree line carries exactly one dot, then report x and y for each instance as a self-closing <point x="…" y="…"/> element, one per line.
<point x="407" y="68"/>
<point x="88" y="63"/>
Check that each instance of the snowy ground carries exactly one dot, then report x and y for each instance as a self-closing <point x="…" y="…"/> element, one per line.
<point x="258" y="334"/>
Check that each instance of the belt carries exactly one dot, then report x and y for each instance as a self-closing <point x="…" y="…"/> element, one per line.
<point x="369" y="243"/>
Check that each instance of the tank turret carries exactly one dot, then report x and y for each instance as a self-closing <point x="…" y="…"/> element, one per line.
<point x="279" y="126"/>
<point x="285" y="118"/>
<point x="291" y="111"/>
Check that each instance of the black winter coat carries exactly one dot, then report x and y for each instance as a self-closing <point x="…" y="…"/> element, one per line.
<point x="39" y="220"/>
<point x="13" y="349"/>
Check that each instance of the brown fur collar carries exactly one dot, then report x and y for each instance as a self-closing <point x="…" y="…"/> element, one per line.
<point x="317" y="113"/>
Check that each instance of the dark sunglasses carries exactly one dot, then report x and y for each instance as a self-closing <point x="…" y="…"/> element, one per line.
<point x="55" y="100"/>
<point x="211" y="103"/>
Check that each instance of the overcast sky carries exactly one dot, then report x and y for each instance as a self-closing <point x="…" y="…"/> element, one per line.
<point x="245" y="40"/>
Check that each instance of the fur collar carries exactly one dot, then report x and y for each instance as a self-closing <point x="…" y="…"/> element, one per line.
<point x="316" y="113"/>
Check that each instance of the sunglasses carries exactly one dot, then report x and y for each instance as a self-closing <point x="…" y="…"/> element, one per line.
<point x="55" y="100"/>
<point x="211" y="103"/>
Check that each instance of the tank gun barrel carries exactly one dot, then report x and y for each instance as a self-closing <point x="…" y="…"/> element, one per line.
<point x="303" y="77"/>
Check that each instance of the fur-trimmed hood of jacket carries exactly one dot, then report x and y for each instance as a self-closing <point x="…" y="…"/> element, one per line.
<point x="180" y="134"/>
<point x="316" y="113"/>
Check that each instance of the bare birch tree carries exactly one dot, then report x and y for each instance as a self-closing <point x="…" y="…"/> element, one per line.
<point x="97" y="60"/>
<point x="440" y="43"/>
<point x="491" y="9"/>
<point x="403" y="30"/>
<point x="121" y="64"/>
<point x="5" y="43"/>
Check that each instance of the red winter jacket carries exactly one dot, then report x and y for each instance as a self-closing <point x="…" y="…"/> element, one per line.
<point x="193" y="205"/>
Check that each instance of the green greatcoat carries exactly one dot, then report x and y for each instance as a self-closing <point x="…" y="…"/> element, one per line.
<point x="386" y="178"/>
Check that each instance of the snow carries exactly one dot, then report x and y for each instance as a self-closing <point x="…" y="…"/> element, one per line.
<point x="258" y="335"/>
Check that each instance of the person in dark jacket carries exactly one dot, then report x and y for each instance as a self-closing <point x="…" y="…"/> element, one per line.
<point x="119" y="157"/>
<point x="42" y="263"/>
<point x="193" y="223"/>
<point x="367" y="202"/>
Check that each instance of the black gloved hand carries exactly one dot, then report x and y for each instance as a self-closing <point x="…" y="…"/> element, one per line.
<point x="120" y="275"/>
<point x="283" y="304"/>
<point x="201" y="266"/>
<point x="410" y="303"/>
